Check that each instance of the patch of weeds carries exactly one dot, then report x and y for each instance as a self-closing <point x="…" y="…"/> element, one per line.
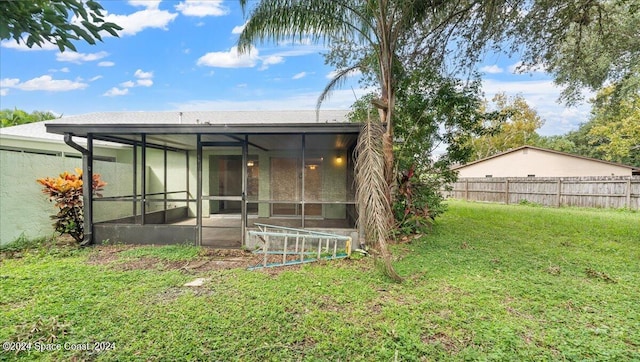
<point x="58" y="247"/>
<point x="594" y="274"/>
<point x="554" y="270"/>
<point x="570" y="305"/>
<point x="108" y="242"/>
<point x="465" y="245"/>
<point x="525" y="202"/>
<point x="44" y="330"/>
<point x="22" y="243"/>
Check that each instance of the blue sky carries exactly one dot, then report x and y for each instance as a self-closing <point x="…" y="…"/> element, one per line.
<point x="180" y="55"/>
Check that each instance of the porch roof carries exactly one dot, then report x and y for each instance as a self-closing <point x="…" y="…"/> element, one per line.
<point x="82" y="130"/>
<point x="181" y="137"/>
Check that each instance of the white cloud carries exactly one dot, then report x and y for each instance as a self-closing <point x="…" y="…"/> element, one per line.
<point x="491" y="69"/>
<point x="79" y="58"/>
<point x="106" y="64"/>
<point x="95" y="78"/>
<point x="143" y="79"/>
<point x="114" y="92"/>
<point x="238" y="29"/>
<point x="43" y="83"/>
<point x="142" y="75"/>
<point x="299" y="75"/>
<point x="140" y="20"/>
<point x="12" y="44"/>
<point x="230" y="59"/>
<point x="9" y="82"/>
<point x="149" y="4"/>
<point x="202" y="8"/>
<point x="144" y="82"/>
<point x="271" y="60"/>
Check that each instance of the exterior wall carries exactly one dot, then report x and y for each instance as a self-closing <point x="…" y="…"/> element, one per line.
<point x="23" y="206"/>
<point x="525" y="162"/>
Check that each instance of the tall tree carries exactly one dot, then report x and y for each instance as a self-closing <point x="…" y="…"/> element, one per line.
<point x="582" y="43"/>
<point x="383" y="28"/>
<point x="59" y="22"/>
<point x="615" y="129"/>
<point x="516" y="127"/>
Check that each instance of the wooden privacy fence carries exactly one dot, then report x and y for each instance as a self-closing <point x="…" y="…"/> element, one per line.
<point x="605" y="192"/>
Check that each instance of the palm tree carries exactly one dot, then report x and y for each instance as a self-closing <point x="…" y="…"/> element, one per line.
<point x="417" y="29"/>
<point x="378" y="24"/>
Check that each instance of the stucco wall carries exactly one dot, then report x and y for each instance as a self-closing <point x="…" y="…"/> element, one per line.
<point x="23" y="206"/>
<point x="525" y="162"/>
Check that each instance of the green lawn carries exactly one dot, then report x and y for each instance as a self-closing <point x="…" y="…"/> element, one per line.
<point x="492" y="282"/>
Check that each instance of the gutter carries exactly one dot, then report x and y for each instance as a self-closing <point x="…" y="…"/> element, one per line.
<point x="87" y="192"/>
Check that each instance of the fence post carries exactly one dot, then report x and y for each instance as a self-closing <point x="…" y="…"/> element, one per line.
<point x="466" y="190"/>
<point x="629" y="193"/>
<point x="559" y="192"/>
<point x="506" y="192"/>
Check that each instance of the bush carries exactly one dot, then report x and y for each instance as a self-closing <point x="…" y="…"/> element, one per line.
<point x="66" y="191"/>
<point x="418" y="201"/>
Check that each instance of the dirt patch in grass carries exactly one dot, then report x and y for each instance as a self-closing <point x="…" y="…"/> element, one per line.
<point x="209" y="259"/>
<point x="102" y="255"/>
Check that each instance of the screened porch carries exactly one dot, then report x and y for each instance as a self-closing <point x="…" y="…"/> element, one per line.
<point x="208" y="184"/>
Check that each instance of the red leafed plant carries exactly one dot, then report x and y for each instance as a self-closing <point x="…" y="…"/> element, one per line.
<point x="66" y="191"/>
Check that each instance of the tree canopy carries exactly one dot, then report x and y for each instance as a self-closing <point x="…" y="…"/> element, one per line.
<point x="582" y="43"/>
<point x="616" y="126"/>
<point x="516" y="126"/>
<point x="59" y="22"/>
<point x="14" y="117"/>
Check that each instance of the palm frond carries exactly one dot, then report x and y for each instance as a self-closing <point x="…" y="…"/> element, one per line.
<point x="340" y="77"/>
<point x="278" y="20"/>
<point x="372" y="192"/>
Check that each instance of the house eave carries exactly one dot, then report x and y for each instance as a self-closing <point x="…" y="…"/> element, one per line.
<point x="82" y="130"/>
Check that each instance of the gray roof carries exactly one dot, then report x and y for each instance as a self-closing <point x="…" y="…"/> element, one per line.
<point x="38" y="131"/>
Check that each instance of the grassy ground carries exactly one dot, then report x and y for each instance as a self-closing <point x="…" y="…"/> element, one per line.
<point x="492" y="282"/>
